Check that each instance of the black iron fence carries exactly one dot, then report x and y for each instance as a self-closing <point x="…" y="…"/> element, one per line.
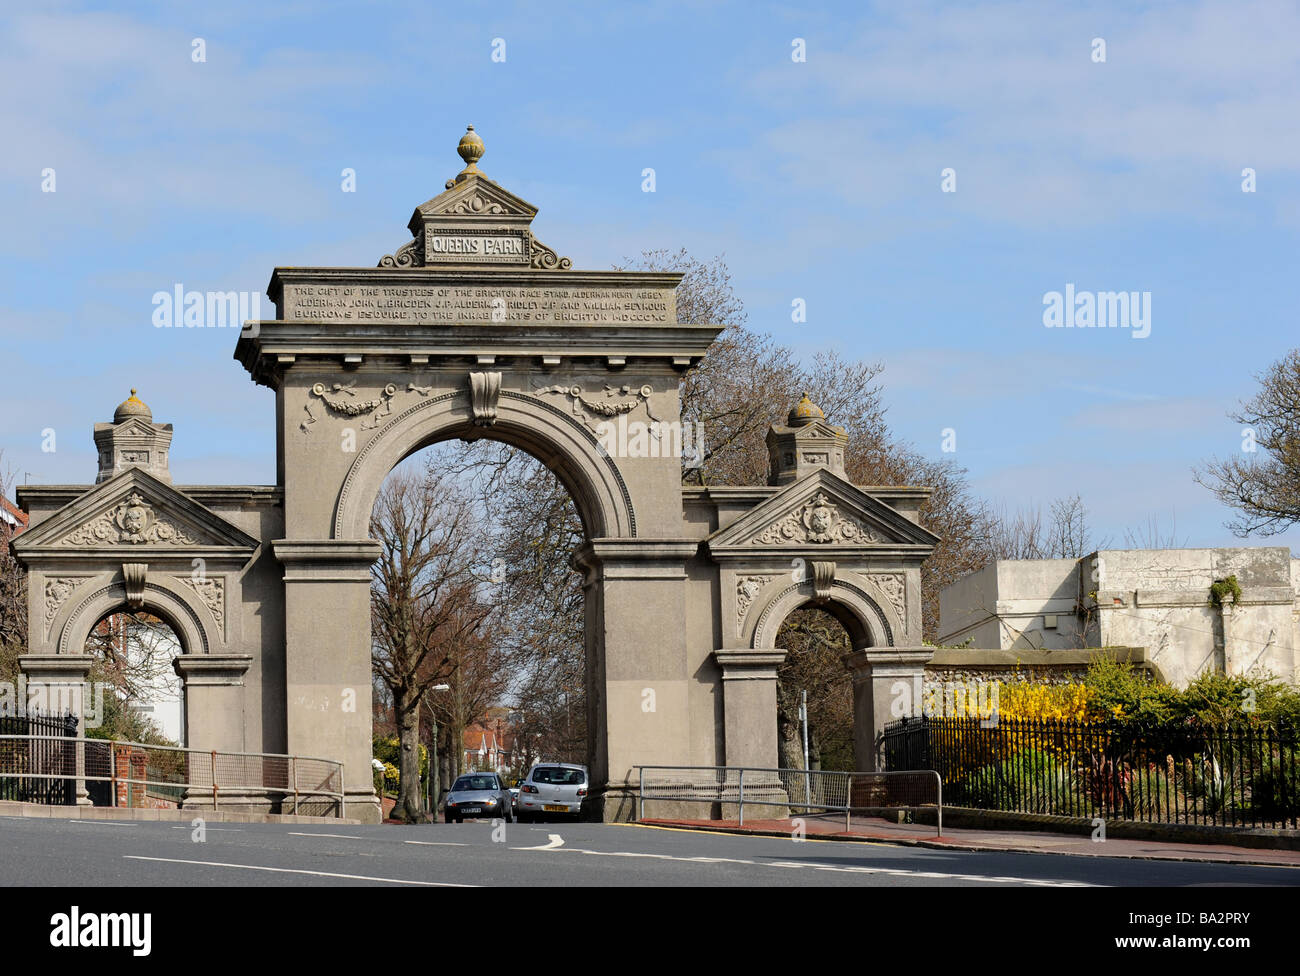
<point x="37" y="758"/>
<point x="1233" y="776"/>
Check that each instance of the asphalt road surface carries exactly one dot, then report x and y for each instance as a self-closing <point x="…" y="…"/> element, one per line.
<point x="40" y="852"/>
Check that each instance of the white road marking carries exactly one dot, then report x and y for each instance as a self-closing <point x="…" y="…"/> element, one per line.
<point x="553" y="843"/>
<point x="300" y="833"/>
<point x="103" y="823"/>
<point x="436" y="843"/>
<point x="318" y="874"/>
<point x="819" y="866"/>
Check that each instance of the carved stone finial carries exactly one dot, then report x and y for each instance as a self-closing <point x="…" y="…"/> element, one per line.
<point x="805" y="412"/>
<point x="132" y="406"/>
<point x="471" y="150"/>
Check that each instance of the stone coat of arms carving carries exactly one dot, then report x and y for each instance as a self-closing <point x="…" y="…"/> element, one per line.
<point x="134" y="522"/>
<point x="819" y="521"/>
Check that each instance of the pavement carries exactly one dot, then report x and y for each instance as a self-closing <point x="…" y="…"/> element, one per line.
<point x="94" y="853"/>
<point x="831" y="827"/>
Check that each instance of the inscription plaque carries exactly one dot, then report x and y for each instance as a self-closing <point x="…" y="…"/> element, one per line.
<point x="431" y="304"/>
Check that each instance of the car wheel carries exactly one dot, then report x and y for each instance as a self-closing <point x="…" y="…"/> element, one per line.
<point x="446" y="818"/>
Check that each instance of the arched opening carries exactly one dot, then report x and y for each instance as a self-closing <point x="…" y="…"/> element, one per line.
<point x="477" y="619"/>
<point x="135" y="694"/>
<point x="814" y="691"/>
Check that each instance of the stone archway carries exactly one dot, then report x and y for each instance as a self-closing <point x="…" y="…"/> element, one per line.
<point x="475" y="328"/>
<point x="565" y="446"/>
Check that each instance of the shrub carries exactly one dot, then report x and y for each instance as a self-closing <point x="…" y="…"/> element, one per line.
<point x="1031" y="781"/>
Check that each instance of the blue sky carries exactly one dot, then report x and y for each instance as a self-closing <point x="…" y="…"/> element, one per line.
<point x="817" y="180"/>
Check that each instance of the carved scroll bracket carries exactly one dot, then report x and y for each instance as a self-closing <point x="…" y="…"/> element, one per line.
<point x="484" y="395"/>
<point x="133" y="575"/>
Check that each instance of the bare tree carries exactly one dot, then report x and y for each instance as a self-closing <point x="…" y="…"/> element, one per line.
<point x="1265" y="491"/>
<point x="424" y="604"/>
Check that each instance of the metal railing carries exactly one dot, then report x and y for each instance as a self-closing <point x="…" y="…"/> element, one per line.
<point x="125" y="774"/>
<point x="1174" y="773"/>
<point x="812" y="791"/>
<point x="36" y="755"/>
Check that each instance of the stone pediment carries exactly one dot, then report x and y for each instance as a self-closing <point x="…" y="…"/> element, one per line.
<point x="821" y="510"/>
<point x="131" y="513"/>
<point x="475" y="196"/>
<point x="135" y="426"/>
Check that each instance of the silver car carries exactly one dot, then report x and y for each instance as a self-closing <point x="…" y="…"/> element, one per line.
<point x="477" y="795"/>
<point x="552" y="788"/>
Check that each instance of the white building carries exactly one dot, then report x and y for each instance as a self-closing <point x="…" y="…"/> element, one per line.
<point x="1159" y="599"/>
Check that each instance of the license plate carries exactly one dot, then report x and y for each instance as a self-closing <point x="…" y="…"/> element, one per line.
<point x="471" y="809"/>
<point x="555" y="808"/>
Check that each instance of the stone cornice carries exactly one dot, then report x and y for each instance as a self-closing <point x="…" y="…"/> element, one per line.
<point x="265" y="349"/>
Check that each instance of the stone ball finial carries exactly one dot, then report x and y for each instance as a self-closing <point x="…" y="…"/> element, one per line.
<point x="471" y="147"/>
<point x="471" y="150"/>
<point x="132" y="406"/>
<point x="805" y="412"/>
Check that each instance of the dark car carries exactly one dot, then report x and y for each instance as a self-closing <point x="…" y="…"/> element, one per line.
<point x="477" y="795"/>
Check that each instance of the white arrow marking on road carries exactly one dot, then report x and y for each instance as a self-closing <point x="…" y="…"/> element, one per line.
<point x="555" y="841"/>
<point x="318" y="874"/>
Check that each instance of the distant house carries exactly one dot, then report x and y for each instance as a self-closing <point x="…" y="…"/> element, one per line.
<point x="1158" y="599"/>
<point x="13" y="517"/>
<point x="489" y="743"/>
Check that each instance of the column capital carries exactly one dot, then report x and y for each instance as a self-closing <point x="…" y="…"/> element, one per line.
<point x="71" y="667"/>
<point x="326" y="560"/>
<point x="887" y="662"/>
<point x="749" y="665"/>
<point x="640" y="558"/>
<point x="212" y="669"/>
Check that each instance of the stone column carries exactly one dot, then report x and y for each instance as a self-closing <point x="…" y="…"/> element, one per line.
<point x="327" y="658"/>
<point x="877" y="676"/>
<point x="214" y="700"/>
<point x="214" y="720"/>
<point x="63" y="677"/>
<point x="637" y="682"/>
<point x="749" y="706"/>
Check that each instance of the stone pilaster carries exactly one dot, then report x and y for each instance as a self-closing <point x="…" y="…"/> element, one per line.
<point x="327" y="658"/>
<point x="749" y="706"/>
<point x="877" y="676"/>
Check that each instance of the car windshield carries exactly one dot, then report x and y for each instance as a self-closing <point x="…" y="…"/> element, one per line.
<point x="475" y="783"/>
<point x="559" y="776"/>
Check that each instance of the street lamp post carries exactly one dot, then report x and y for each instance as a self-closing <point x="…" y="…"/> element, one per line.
<point x="431" y="781"/>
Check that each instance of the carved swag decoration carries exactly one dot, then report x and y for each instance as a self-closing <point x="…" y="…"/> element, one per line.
<point x="336" y="400"/>
<point x="134" y="522"/>
<point x="819" y="522"/>
<point x="608" y="407"/>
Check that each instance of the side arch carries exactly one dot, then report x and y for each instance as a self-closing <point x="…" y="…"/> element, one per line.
<point x="171" y="606"/>
<point x="862" y="613"/>
<point x="563" y="444"/>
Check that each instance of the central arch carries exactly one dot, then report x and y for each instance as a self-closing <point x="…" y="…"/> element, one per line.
<point x="563" y="444"/>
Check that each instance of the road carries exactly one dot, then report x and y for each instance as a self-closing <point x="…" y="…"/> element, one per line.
<point x="42" y="852"/>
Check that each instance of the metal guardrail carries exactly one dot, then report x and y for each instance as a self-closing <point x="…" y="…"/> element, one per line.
<point x="810" y="790"/>
<point x="129" y="769"/>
